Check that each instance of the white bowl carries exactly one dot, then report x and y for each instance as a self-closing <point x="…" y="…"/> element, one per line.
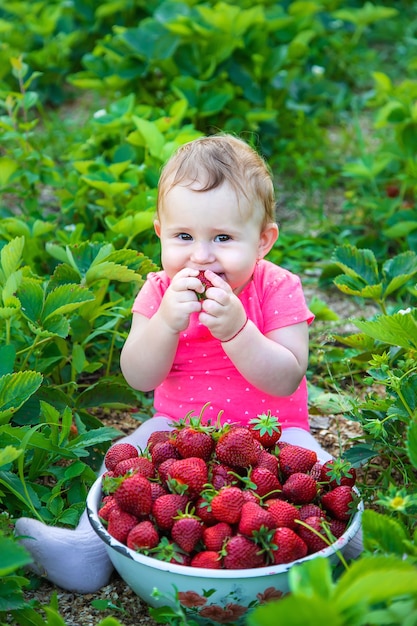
<point x="204" y="593"/>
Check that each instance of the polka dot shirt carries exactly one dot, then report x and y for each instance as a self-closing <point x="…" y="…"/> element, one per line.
<point x="202" y="372"/>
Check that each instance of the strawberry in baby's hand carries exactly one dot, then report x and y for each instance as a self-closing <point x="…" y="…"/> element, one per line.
<point x="206" y="284"/>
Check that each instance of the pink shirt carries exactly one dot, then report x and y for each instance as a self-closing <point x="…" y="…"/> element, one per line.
<point x="202" y="372"/>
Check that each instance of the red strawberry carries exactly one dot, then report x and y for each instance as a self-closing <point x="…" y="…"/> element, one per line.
<point x="159" y="436"/>
<point x="208" y="559"/>
<point x="139" y="464"/>
<point x="166" y="508"/>
<point x="308" y="510"/>
<point x="316" y="470"/>
<point x="108" y="504"/>
<point x="203" y="509"/>
<point x="315" y="536"/>
<point x="162" y="451"/>
<point x="221" y="476"/>
<point x="157" y="490"/>
<point x="206" y="284"/>
<point x="265" y="482"/>
<point x="268" y="460"/>
<point x="337" y="527"/>
<point x="253" y="518"/>
<point x="338" y="502"/>
<point x="134" y="495"/>
<point x="300" y="488"/>
<point x="227" y="504"/>
<point x="289" y="546"/>
<point x="169" y="551"/>
<point x="284" y="513"/>
<point x="338" y="472"/>
<point x="188" y="476"/>
<point x="266" y="429"/>
<point x="241" y="553"/>
<point x="194" y="442"/>
<point x="187" y="531"/>
<point x="215" y="536"/>
<point x="296" y="459"/>
<point x="119" y="452"/>
<point x="143" y="536"/>
<point x="236" y="448"/>
<point x="120" y="524"/>
<point x="163" y="471"/>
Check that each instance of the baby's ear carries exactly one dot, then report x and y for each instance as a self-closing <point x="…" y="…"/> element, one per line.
<point x="267" y="238"/>
<point x="157" y="227"/>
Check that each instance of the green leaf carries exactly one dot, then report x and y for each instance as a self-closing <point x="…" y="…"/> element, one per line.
<point x="153" y="139"/>
<point x="31" y="296"/>
<point x="11" y="257"/>
<point x="382" y="533"/>
<point x="411" y="442"/>
<point x="8" y="455"/>
<point x="313" y="579"/>
<point x="7" y="169"/>
<point x="106" y="394"/>
<point x="112" y="271"/>
<point x="357" y="262"/>
<point x="373" y="579"/>
<point x="397" y="329"/>
<point x="15" y="389"/>
<point x="65" y="299"/>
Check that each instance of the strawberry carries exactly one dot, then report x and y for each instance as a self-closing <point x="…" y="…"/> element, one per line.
<point x="227" y="504"/>
<point x="265" y="482"/>
<point x="162" y="451"/>
<point x="119" y="452"/>
<point x="313" y="534"/>
<point x="139" y="464"/>
<point x="338" y="472"/>
<point x="338" y="502"/>
<point x="157" y="490"/>
<point x="187" y="531"/>
<point x="120" y="524"/>
<point x="166" y="508"/>
<point x="221" y="476"/>
<point x="215" y="536"/>
<point x="206" y="284"/>
<point x="133" y="495"/>
<point x="300" y="488"/>
<point x="268" y="460"/>
<point x="208" y="559"/>
<point x="188" y="476"/>
<point x="163" y="471"/>
<point x="143" y="536"/>
<point x="193" y="438"/>
<point x="284" y="513"/>
<point x="296" y="459"/>
<point x="169" y="551"/>
<point x="253" y="518"/>
<point x="316" y="470"/>
<point x="241" y="553"/>
<point x="236" y="448"/>
<point x="266" y="429"/>
<point x="287" y="546"/>
<point x="337" y="527"/>
<point x="191" y="441"/>
<point x="203" y="509"/>
<point x="159" y="436"/>
<point x="108" y="504"/>
<point x="308" y="510"/>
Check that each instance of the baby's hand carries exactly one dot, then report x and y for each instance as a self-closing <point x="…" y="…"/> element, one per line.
<point x="222" y="311"/>
<point x="180" y="300"/>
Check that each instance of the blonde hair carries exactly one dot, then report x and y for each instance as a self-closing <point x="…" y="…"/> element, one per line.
<point x="211" y="161"/>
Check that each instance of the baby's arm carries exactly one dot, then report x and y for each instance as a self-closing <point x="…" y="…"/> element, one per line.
<point x="148" y="353"/>
<point x="274" y="363"/>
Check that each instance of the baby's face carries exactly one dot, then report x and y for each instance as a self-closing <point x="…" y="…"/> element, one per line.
<point x="210" y="230"/>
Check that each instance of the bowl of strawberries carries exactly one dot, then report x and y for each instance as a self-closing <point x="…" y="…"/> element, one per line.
<point x="215" y="516"/>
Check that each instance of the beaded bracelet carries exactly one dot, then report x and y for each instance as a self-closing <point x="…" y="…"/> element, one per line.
<point x="236" y="334"/>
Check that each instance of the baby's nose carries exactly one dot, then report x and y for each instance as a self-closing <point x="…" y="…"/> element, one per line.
<point x="202" y="252"/>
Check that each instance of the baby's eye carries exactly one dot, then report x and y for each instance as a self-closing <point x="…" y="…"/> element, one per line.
<point x="222" y="238"/>
<point x="184" y="236"/>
